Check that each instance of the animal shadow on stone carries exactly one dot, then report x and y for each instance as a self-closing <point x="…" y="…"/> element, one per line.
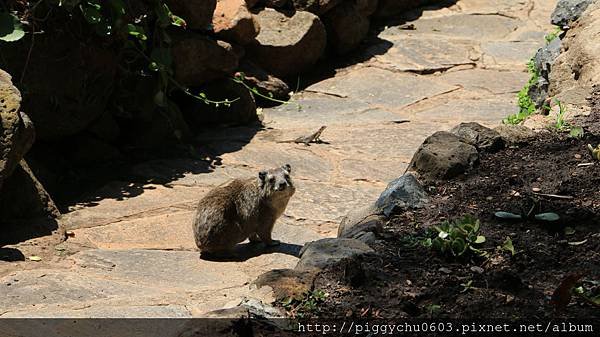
<point x="248" y="250"/>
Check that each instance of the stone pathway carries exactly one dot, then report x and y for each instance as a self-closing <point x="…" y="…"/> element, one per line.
<point x="135" y="252"/>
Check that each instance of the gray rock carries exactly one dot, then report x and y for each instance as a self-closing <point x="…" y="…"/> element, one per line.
<point x="196" y="13"/>
<point x="325" y="252"/>
<point x="545" y="56"/>
<point x="265" y="83"/>
<point x="232" y="21"/>
<point x="287" y="43"/>
<point x="403" y="193"/>
<point x="368" y="238"/>
<point x="198" y="59"/>
<point x="443" y="156"/>
<point x="543" y="61"/>
<point x="346" y="26"/>
<point x="515" y="134"/>
<point x="479" y="136"/>
<point x="16" y="130"/>
<point x="567" y="11"/>
<point x="367" y="219"/>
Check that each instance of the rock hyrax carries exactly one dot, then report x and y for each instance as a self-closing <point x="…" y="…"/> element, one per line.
<point x="243" y="209"/>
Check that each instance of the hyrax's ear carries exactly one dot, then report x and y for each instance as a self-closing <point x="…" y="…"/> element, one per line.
<point x="262" y="175"/>
<point x="287" y="168"/>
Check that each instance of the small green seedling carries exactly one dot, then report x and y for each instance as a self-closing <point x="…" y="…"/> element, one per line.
<point x="508" y="246"/>
<point x="576" y="132"/>
<point x="457" y="238"/>
<point x="467" y="286"/>
<point x="560" y="122"/>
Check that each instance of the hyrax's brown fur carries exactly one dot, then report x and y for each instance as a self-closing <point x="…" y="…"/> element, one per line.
<point x="243" y="209"/>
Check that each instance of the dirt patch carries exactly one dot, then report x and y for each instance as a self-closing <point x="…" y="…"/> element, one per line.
<point x="406" y="279"/>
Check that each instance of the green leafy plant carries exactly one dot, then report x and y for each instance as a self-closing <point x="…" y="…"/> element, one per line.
<point x="457" y="238"/>
<point x="560" y="123"/>
<point x="553" y="34"/>
<point x="307" y="305"/>
<point x="508" y="246"/>
<point x="466" y="286"/>
<point x="526" y="105"/>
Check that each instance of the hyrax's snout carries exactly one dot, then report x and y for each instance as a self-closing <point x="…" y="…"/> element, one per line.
<point x="282" y="186"/>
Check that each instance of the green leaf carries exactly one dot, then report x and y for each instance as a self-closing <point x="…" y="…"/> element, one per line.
<point x="443" y="235"/>
<point x="507" y="215"/>
<point x="137" y="32"/>
<point x="427" y="242"/>
<point x="11" y="28"/>
<point x="91" y="14"/>
<point x="458" y="247"/>
<point x="569" y="231"/>
<point x="547" y="217"/>
<point x="576" y="132"/>
<point x="508" y="246"/>
<point x="480" y="239"/>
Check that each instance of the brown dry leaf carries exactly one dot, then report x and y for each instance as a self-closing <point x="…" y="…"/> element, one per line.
<point x="562" y="295"/>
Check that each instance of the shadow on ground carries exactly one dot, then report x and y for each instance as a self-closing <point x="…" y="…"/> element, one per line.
<point x="246" y="251"/>
<point x="22" y="230"/>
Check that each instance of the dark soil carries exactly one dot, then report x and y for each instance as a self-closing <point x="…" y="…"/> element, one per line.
<point x="404" y="279"/>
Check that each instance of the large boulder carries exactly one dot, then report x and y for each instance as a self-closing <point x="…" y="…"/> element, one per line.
<point x="367" y="219"/>
<point x="442" y="156"/>
<point x="318" y="7"/>
<point x="198" y="59"/>
<point x="16" y="129"/>
<point x="577" y="69"/>
<point x="196" y="13"/>
<point x="479" y="136"/>
<point x="288" y="43"/>
<point x="347" y="26"/>
<point x="326" y="252"/>
<point x="515" y="135"/>
<point x="568" y="11"/>
<point x="401" y="194"/>
<point x="233" y="22"/>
